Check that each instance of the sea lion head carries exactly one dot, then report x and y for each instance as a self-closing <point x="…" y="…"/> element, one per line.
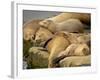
<point x="49" y="24"/>
<point x="42" y="35"/>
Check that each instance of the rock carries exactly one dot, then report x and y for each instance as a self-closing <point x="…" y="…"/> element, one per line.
<point x="74" y="61"/>
<point x="38" y="58"/>
<point x="26" y="46"/>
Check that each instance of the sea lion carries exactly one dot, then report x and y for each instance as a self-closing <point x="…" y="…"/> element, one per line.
<point x="83" y="17"/>
<point x="70" y="25"/>
<point x="75" y="61"/>
<point x="58" y="43"/>
<point x="42" y="35"/>
<point x="30" y="28"/>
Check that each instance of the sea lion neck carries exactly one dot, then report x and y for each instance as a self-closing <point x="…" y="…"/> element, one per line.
<point x="47" y="42"/>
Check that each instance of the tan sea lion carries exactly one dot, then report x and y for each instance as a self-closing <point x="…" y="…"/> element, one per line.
<point x="54" y="47"/>
<point x="76" y="61"/>
<point x="84" y="17"/>
<point x="30" y="28"/>
<point x="70" y="25"/>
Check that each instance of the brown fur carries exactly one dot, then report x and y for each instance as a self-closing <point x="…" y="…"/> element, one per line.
<point x="72" y="37"/>
<point x="60" y="42"/>
<point x="30" y="28"/>
<point x="70" y="25"/>
<point x="42" y="35"/>
<point x="75" y="50"/>
<point x="55" y="46"/>
<point x="84" y="17"/>
<point x="84" y="38"/>
<point x="75" y="61"/>
<point x="77" y="37"/>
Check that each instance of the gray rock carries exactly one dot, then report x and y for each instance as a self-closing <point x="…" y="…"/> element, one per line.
<point x="38" y="58"/>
